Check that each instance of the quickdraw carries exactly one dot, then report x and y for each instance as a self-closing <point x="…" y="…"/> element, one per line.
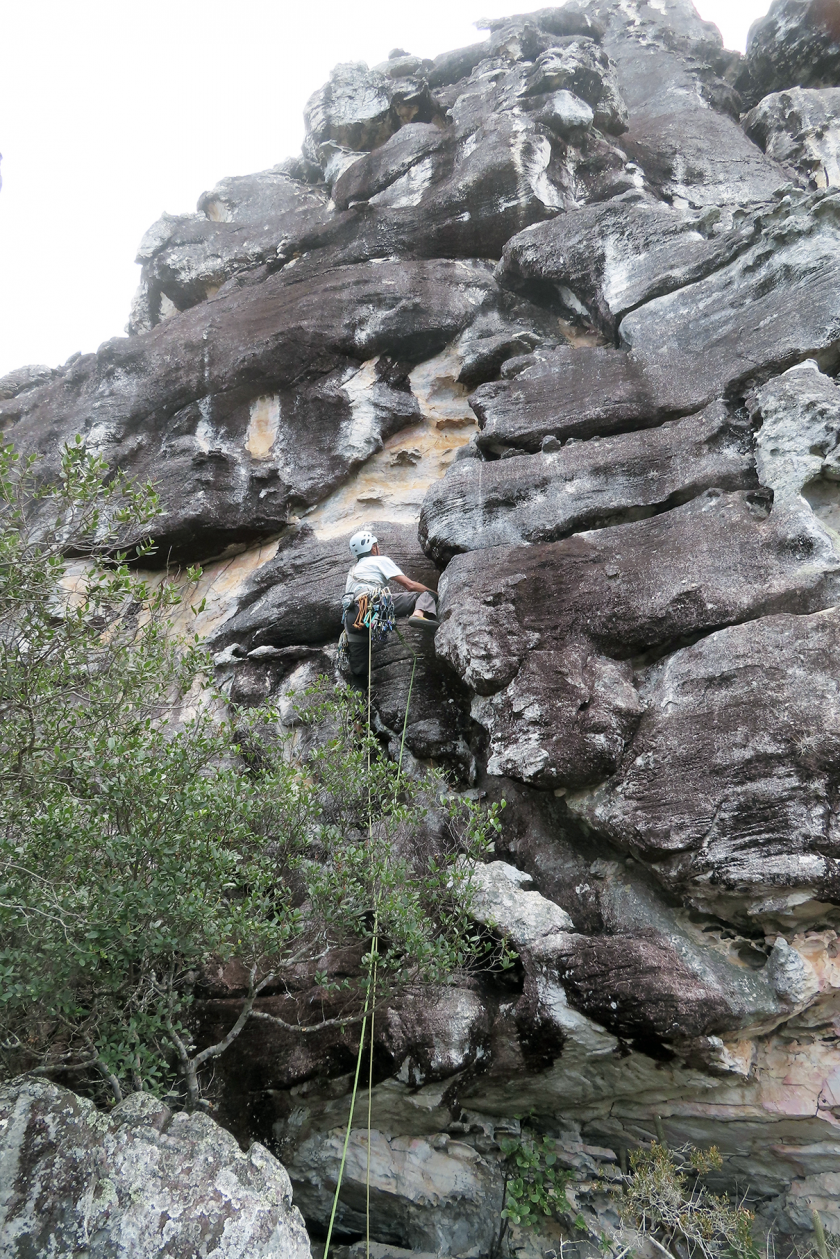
<point x="376" y="614"/>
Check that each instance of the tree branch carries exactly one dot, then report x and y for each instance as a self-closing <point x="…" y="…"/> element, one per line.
<point x="213" y="1051"/>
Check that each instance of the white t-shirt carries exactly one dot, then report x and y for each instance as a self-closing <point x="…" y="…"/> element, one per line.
<point x="369" y="572"/>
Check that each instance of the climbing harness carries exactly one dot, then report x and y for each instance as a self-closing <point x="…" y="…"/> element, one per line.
<point x="375" y="616"/>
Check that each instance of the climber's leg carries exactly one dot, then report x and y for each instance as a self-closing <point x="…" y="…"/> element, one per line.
<point x="357" y="645"/>
<point x="424" y="615"/>
<point x="410" y="604"/>
<point x="404" y="603"/>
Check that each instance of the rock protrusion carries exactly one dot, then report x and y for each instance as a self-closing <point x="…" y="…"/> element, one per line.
<point x="135" y="1183"/>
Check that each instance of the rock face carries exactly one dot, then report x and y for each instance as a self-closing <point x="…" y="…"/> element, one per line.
<point x="797" y="44"/>
<point x="139" y="1182"/>
<point x="801" y="128"/>
<point x="557" y="315"/>
<point x="545" y="496"/>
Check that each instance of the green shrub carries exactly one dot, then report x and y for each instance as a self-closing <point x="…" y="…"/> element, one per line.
<point x="664" y="1196"/>
<point x="144" y="833"/>
<point x="534" y="1186"/>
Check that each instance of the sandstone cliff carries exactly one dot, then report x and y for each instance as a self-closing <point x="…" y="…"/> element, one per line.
<point x="558" y="314"/>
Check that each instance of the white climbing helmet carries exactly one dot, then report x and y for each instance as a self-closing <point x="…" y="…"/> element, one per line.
<point x="362" y="543"/>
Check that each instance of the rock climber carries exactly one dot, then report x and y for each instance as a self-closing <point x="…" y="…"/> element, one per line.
<point x="371" y="572"/>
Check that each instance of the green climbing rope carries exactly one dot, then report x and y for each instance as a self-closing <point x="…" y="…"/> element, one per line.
<point x="370" y="997"/>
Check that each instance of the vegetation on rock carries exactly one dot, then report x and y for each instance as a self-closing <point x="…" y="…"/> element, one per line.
<point x="665" y="1198"/>
<point x="145" y="833"/>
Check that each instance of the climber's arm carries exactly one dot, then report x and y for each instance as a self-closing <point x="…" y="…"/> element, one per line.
<point x="408" y="584"/>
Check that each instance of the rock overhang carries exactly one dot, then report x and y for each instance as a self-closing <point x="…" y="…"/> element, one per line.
<point x="638" y="608"/>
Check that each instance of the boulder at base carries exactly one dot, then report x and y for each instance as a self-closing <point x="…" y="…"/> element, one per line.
<point x="135" y="1183"/>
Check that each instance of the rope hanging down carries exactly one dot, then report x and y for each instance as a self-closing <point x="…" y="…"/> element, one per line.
<point x="369" y="615"/>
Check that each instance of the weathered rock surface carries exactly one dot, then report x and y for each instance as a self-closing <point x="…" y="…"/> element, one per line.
<point x="242" y="224"/>
<point x="796" y="444"/>
<point x="754" y="712"/>
<point x="584" y="485"/>
<point x="426" y="1195"/>
<point x="562" y="307"/>
<point x="603" y="391"/>
<point x="138" y="1182"/>
<point x="24" y="378"/>
<point x="691" y="344"/>
<point x="801" y="129"/>
<point x="511" y="614"/>
<point x="252" y="407"/>
<point x="796" y="253"/>
<point x="797" y="44"/>
<point x="684" y="131"/>
<point x="614" y="256"/>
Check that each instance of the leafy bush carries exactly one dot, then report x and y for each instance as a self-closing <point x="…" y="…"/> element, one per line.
<point x="664" y="1196"/>
<point x="144" y="833"/>
<point x="534" y="1187"/>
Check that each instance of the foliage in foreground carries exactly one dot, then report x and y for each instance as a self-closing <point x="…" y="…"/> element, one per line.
<point x="661" y="1198"/>
<point x="534" y="1187"/>
<point x="664" y="1196"/>
<point x="144" y="836"/>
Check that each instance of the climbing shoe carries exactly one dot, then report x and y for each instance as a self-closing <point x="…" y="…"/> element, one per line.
<point x="420" y="621"/>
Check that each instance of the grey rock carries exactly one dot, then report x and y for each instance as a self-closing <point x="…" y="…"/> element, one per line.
<point x="541" y="498"/>
<point x="372" y="173"/>
<point x="451" y="67"/>
<point x="464" y="188"/>
<point x="241" y="225"/>
<point x="684" y="128"/>
<point x="795" y="252"/>
<point x="796" y="44"/>
<point x="743" y="816"/>
<point x="605" y="977"/>
<point x="381" y="1250"/>
<point x="252" y="407"/>
<point x="606" y="896"/>
<point x="801" y="128"/>
<point x="402" y="65"/>
<point x="354" y="108"/>
<point x="567" y="19"/>
<point x="578" y="65"/>
<point x="638" y="988"/>
<point x="543" y="633"/>
<point x="23" y="378"/>
<point x="482" y="356"/>
<point x="603" y="391"/>
<point x="502" y="898"/>
<point x="437" y="1034"/>
<point x="797" y="442"/>
<point x="427" y="1195"/>
<point x="563" y="720"/>
<point x="615" y="256"/>
<point x="566" y="113"/>
<point x="135" y="1182"/>
<point x="437" y="718"/>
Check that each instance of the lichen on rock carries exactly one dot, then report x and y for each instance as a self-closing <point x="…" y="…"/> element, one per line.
<point x="557" y="316"/>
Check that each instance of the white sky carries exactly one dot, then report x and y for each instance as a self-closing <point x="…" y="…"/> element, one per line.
<point x="112" y="111"/>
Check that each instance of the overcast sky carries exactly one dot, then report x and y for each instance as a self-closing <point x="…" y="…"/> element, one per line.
<point x="112" y="111"/>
